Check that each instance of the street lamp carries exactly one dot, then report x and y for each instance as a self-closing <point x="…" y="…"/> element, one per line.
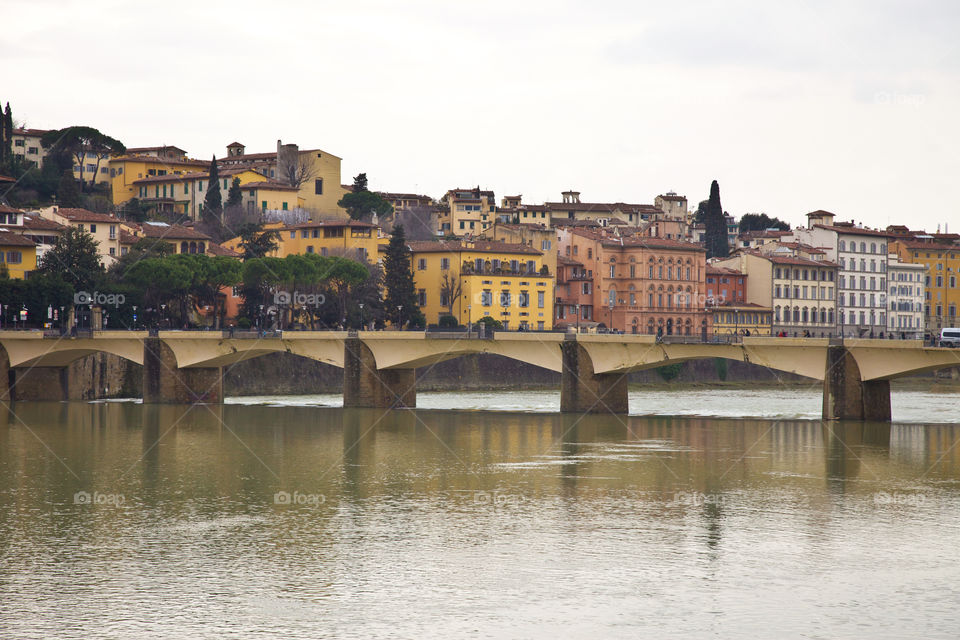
<point x="134" y="317"/>
<point x="469" y="319"/>
<point x="399" y="317"/>
<point x="578" y="317"/>
<point x="361" y="316"/>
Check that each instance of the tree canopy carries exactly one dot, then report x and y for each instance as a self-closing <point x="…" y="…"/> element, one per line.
<point x="362" y="202"/>
<point x="213" y="201"/>
<point x="75" y="258"/>
<point x="79" y="142"/>
<point x="761" y="222"/>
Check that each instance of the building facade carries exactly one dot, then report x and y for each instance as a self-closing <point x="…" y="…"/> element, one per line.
<point x="906" y="297"/>
<point x="861" y="255"/>
<point x="471" y="280"/>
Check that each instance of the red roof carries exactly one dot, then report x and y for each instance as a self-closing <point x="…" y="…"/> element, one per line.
<point x="852" y="230"/>
<point x="36" y="223"/>
<point x="82" y="215"/>
<point x="269" y="184"/>
<point x="171" y="232"/>
<point x="8" y="238"/>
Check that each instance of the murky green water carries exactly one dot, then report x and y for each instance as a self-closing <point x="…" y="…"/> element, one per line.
<point x="124" y="521"/>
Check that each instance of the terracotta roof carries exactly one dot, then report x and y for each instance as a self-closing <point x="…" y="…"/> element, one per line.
<point x="164" y="161"/>
<point x="722" y="271"/>
<point x="802" y="247"/>
<point x="30" y="132"/>
<point x="248" y="157"/>
<point x="928" y="245"/>
<point x="851" y="230"/>
<point x="400" y="196"/>
<point x="128" y="238"/>
<point x="269" y="184"/>
<point x="820" y="212"/>
<point x="674" y="198"/>
<point x="235" y="144"/>
<point x="565" y="261"/>
<point x="10" y="239"/>
<point x="4" y="178"/>
<point x="522" y="225"/>
<point x="193" y="175"/>
<point x="159" y="148"/>
<point x="218" y="250"/>
<point x="477" y="246"/>
<point x="603" y="207"/>
<point x="34" y="222"/>
<point x="82" y="215"/>
<point x="5" y="209"/>
<point x="803" y="262"/>
<point x="171" y="232"/>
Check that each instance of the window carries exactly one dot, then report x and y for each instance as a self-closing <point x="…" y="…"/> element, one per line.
<point x="524" y="299"/>
<point x="422" y="297"/>
<point x="263" y="205"/>
<point x="113" y="251"/>
<point x="113" y="232"/>
<point x="486" y="298"/>
<point x="444" y="263"/>
<point x="421" y="264"/>
<point x="284" y="206"/>
<point x="14" y="257"/>
<point x="318" y="186"/>
<point x="93" y="228"/>
<point x="541" y="297"/>
<point x="504" y="298"/>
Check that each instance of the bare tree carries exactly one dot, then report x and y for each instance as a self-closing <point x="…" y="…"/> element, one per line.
<point x="296" y="173"/>
<point x="450" y="289"/>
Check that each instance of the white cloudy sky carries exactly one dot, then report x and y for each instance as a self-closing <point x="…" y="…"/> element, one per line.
<point x="792" y="106"/>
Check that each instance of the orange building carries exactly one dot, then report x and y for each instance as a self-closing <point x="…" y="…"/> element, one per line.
<point x="641" y="285"/>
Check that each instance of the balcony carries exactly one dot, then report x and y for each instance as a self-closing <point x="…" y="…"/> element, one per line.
<point x="470" y="269"/>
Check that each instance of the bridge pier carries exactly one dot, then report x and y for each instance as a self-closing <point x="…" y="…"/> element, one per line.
<point x="38" y="384"/>
<point x="165" y="383"/>
<point x="366" y="386"/>
<point x="846" y="396"/>
<point x="582" y="390"/>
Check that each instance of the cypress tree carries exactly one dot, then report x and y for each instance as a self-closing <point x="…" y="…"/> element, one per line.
<point x="715" y="233"/>
<point x="234" y="195"/>
<point x="398" y="277"/>
<point x="213" y="202"/>
<point x="8" y="134"/>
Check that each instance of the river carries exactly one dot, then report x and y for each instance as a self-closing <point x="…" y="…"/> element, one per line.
<point x="706" y="514"/>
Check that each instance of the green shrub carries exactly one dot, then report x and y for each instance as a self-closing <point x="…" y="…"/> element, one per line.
<point x="448" y="321"/>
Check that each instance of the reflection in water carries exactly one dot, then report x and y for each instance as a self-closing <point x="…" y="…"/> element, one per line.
<point x="301" y="521"/>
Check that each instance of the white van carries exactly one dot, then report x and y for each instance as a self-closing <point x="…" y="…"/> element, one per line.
<point x="950" y="337"/>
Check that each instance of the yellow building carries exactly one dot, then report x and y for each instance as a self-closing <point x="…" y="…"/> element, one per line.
<point x="347" y="238"/>
<point x="315" y="172"/>
<point x="185" y="193"/>
<point x="270" y="195"/>
<point x="942" y="263"/>
<point x="468" y="212"/>
<point x="741" y="318"/>
<point x="18" y="254"/>
<point x="475" y="279"/>
<point x="537" y="236"/>
<point x="127" y="169"/>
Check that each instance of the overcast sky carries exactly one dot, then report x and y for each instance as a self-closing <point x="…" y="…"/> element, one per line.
<point x="851" y="107"/>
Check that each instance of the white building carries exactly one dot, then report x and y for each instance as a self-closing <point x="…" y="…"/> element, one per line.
<point x="905" y="299"/>
<point x="862" y="281"/>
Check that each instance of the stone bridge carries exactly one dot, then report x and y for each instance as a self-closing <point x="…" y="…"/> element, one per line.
<point x="380" y="367"/>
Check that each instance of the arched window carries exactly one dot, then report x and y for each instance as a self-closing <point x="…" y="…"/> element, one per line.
<point x="843" y="245"/>
<point x="863" y="247"/>
<point x="184" y="247"/>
